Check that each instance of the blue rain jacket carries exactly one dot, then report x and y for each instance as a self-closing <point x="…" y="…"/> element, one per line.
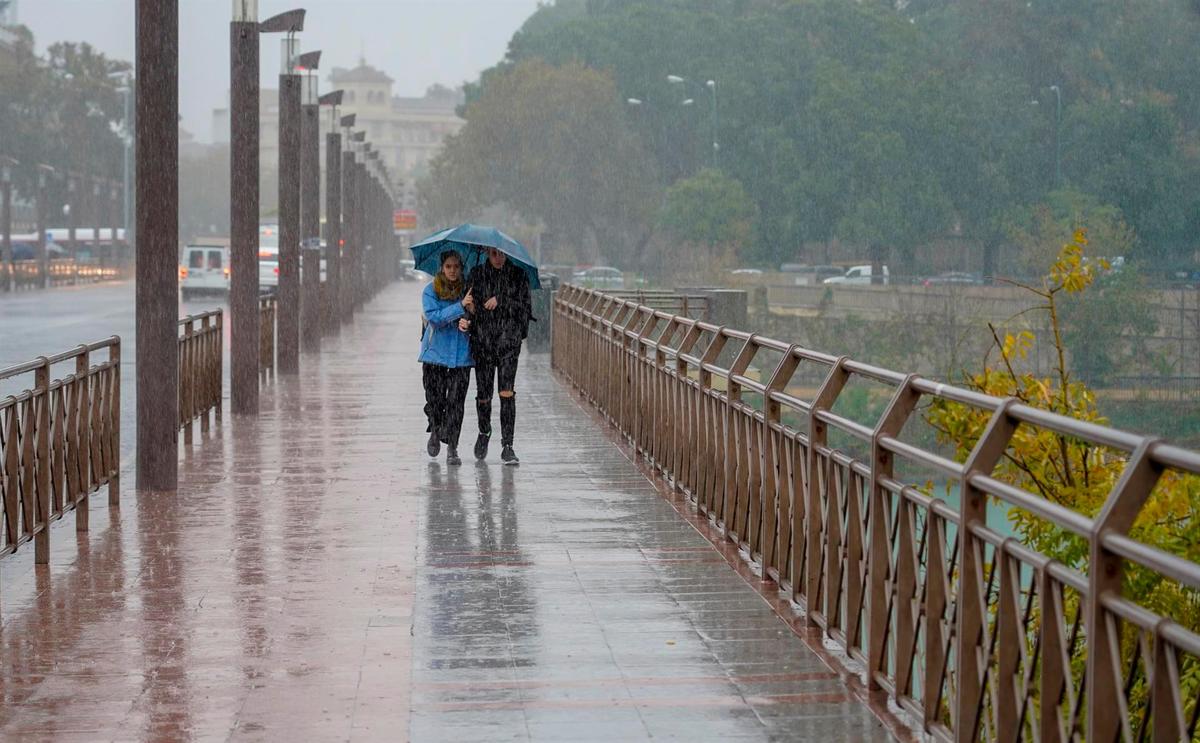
<point x="443" y="343"/>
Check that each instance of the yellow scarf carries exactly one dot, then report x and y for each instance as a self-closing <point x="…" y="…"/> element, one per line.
<point x="445" y="289"/>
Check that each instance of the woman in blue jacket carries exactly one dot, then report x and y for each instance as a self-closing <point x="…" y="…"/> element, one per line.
<point x="446" y="355"/>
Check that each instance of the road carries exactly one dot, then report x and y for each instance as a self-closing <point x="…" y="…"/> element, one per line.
<point x="46" y="322"/>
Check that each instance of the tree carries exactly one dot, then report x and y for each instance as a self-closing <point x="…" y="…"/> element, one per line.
<point x="1075" y="474"/>
<point x="551" y="142"/>
<point x="711" y="211"/>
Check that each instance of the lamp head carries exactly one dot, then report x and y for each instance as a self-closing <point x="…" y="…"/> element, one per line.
<point x="291" y="22"/>
<point x="674" y="79"/>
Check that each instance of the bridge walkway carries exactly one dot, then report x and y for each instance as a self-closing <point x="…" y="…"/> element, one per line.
<point x="318" y="577"/>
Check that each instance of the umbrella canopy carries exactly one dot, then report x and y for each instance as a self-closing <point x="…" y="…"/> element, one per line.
<point x="471" y="241"/>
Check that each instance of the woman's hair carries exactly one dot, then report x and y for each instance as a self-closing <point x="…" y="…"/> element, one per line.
<point x="447" y="255"/>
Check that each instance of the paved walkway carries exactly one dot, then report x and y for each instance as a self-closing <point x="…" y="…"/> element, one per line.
<point x="318" y="578"/>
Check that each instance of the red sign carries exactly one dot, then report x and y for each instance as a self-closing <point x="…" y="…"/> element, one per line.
<point x="404" y="220"/>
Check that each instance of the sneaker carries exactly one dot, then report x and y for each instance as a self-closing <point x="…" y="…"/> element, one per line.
<point x="481" y="446"/>
<point x="434" y="446"/>
<point x="452" y="456"/>
<point x="508" y="456"/>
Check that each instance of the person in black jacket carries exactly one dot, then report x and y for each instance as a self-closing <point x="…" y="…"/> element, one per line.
<point x="499" y="324"/>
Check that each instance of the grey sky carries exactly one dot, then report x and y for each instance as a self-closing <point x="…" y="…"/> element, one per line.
<point x="417" y="42"/>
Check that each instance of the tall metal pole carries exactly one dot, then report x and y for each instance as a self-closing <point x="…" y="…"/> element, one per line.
<point x="157" y="292"/>
<point x="362" y="198"/>
<point x="72" y="212"/>
<point x="333" y="214"/>
<point x="310" y="200"/>
<point x="349" y="206"/>
<point x="1057" y="135"/>
<point x="127" y="168"/>
<point x="716" y="145"/>
<point x="243" y="207"/>
<point x="114" y="214"/>
<point x="6" y="257"/>
<point x="42" y="206"/>
<point x="97" y="215"/>
<point x="289" y="212"/>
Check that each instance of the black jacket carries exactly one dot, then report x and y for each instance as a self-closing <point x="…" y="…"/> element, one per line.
<point x="502" y="329"/>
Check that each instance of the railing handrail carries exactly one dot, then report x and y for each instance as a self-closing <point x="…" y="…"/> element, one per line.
<point x="819" y="520"/>
<point x="28" y="366"/>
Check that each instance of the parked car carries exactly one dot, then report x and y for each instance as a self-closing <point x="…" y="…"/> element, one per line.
<point x="600" y="277"/>
<point x="858" y="275"/>
<point x="953" y="278"/>
<point x="746" y="271"/>
<point x="806" y="275"/>
<point x="204" y="269"/>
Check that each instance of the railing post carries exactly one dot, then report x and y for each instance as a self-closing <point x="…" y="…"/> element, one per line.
<point x="903" y="403"/>
<point x="114" y="418"/>
<point x="772" y="498"/>
<point x="204" y="369"/>
<point x="736" y="487"/>
<point x="969" y="649"/>
<point x="1121" y="509"/>
<point x="83" y="401"/>
<point x="41" y="544"/>
<point x="809" y="519"/>
<point x="187" y="377"/>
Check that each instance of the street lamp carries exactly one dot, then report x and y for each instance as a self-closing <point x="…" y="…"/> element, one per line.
<point x="6" y="165"/>
<point x="1057" y="135"/>
<point x="290" y="152"/>
<point x="711" y="88"/>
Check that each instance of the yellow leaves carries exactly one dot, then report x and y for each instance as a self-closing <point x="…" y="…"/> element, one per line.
<point x="1017" y="346"/>
<point x="1072" y="272"/>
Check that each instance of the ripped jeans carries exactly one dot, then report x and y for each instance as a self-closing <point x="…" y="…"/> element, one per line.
<point x="491" y="370"/>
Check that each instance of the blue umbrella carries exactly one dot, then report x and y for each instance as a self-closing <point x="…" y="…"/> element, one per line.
<point x="471" y="241"/>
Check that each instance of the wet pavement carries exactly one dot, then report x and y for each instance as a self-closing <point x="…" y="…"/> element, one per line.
<point x="319" y="578"/>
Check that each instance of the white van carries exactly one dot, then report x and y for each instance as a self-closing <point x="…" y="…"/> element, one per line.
<point x="858" y="275"/>
<point x="204" y="269"/>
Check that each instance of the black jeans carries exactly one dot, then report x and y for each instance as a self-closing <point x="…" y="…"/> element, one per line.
<point x="492" y="369"/>
<point x="445" y="397"/>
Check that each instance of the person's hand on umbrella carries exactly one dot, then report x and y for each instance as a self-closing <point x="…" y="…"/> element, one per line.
<point x="468" y="302"/>
<point x="491" y="304"/>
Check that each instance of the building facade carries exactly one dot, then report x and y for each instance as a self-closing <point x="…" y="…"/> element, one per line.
<point x="407" y="132"/>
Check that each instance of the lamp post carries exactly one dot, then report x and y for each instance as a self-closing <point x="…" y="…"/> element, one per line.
<point x="711" y="88"/>
<point x="310" y="200"/>
<point x="72" y="210"/>
<point x="44" y="172"/>
<point x="354" y="211"/>
<point x="244" y="65"/>
<point x="289" y="209"/>
<point x="346" y="277"/>
<point x="157" y="285"/>
<point x="114" y="214"/>
<point x="1057" y="135"/>
<point x="333" y="213"/>
<point x="97" y="214"/>
<point x="6" y="166"/>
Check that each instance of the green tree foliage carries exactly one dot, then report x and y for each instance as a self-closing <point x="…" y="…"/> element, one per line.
<point x="60" y="110"/>
<point x="710" y="211"/>
<point x="553" y="144"/>
<point x="890" y="124"/>
<point x="1074" y="473"/>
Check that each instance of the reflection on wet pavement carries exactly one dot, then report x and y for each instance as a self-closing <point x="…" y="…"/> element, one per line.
<point x="318" y="577"/>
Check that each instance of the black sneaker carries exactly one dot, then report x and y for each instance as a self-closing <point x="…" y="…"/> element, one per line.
<point x="434" y="446"/>
<point x="452" y="456"/>
<point x="508" y="456"/>
<point x="481" y="446"/>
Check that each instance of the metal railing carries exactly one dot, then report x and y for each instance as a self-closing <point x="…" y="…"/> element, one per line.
<point x="267" y="307"/>
<point x="59" y="443"/>
<point x="27" y="273"/>
<point x="973" y="632"/>
<point x="201" y="351"/>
